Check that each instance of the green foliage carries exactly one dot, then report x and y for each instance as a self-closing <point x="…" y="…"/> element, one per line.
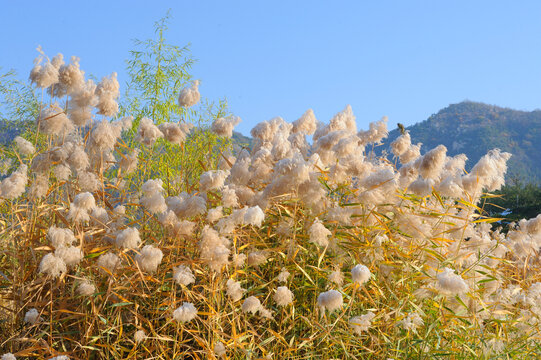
<point x="19" y="106"/>
<point x="158" y="71"/>
<point x="516" y="201"/>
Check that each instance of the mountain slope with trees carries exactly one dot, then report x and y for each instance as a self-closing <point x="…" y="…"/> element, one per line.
<point x="474" y="128"/>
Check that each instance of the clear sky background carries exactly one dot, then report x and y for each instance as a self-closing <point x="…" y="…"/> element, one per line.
<point x="403" y="59"/>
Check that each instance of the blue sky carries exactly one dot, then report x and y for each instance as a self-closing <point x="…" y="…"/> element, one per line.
<point x="403" y="59"/>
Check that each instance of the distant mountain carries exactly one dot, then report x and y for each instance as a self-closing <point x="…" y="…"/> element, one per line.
<point x="242" y="140"/>
<point x="474" y="128"/>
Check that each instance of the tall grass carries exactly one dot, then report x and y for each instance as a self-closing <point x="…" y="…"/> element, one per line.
<point x="442" y="283"/>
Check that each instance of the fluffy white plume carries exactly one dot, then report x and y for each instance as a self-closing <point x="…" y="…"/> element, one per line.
<point x="306" y="124"/>
<point x="219" y="349"/>
<point x="330" y="300"/>
<point x="109" y="261"/>
<point x="225" y="126"/>
<point x="107" y="91"/>
<point x="214" y="249"/>
<point x="52" y="265"/>
<point x="360" y="274"/>
<point x="71" y="255"/>
<point x="46" y="74"/>
<point x="52" y="120"/>
<point x="148" y="133"/>
<point x="140" y="336"/>
<point x="411" y="322"/>
<point x="24" y="146"/>
<point x="175" y="133"/>
<point x="186" y="313"/>
<point x="86" y="288"/>
<point x="15" y="185"/>
<point x="256" y="258"/>
<point x="377" y="132"/>
<point x="450" y="283"/>
<point x="153" y="199"/>
<point x="401" y="144"/>
<point x="183" y="275"/>
<point x="283" y="296"/>
<point x="234" y="290"/>
<point x="362" y="323"/>
<point x="319" y="234"/>
<point x="128" y="238"/>
<point x="283" y="276"/>
<point x="189" y="96"/>
<point x="215" y="214"/>
<point x="212" y="180"/>
<point x="149" y="258"/>
<point x="60" y="237"/>
<point x="251" y="305"/>
<point x="32" y="316"/>
<point x="254" y="216"/>
<point x="432" y="162"/>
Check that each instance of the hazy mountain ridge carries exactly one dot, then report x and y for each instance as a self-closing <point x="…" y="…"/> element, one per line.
<point x="474" y="128"/>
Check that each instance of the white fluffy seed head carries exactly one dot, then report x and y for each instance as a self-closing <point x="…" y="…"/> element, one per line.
<point x="330" y="300"/>
<point x="412" y="321"/>
<point x="283" y="296"/>
<point x="219" y="349"/>
<point x="15" y="185"/>
<point x="212" y="180"/>
<point x="254" y="216"/>
<point x="401" y="144"/>
<point x="189" y="96"/>
<point x="174" y="133"/>
<point x="214" y="249"/>
<point x="283" y="275"/>
<point x="360" y="274"/>
<point x="86" y="288"/>
<point x="336" y="277"/>
<point x="306" y="124"/>
<point x="140" y="336"/>
<point x="52" y="265"/>
<point x="149" y="258"/>
<point x="52" y="120"/>
<point x="107" y="92"/>
<point x="60" y="237"/>
<point x="215" y="214"/>
<point x="319" y="234"/>
<point x="109" y="261"/>
<point x="85" y="201"/>
<point x="31" y="316"/>
<point x="148" y="133"/>
<point x="362" y="323"/>
<point x="183" y="275"/>
<point x="234" y="290"/>
<point x="71" y="255"/>
<point x="450" y="283"/>
<point x="24" y="146"/>
<point x="224" y="126"/>
<point x="258" y="257"/>
<point x="251" y="305"/>
<point x="8" y="356"/>
<point x="186" y="313"/>
<point x="128" y="238"/>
